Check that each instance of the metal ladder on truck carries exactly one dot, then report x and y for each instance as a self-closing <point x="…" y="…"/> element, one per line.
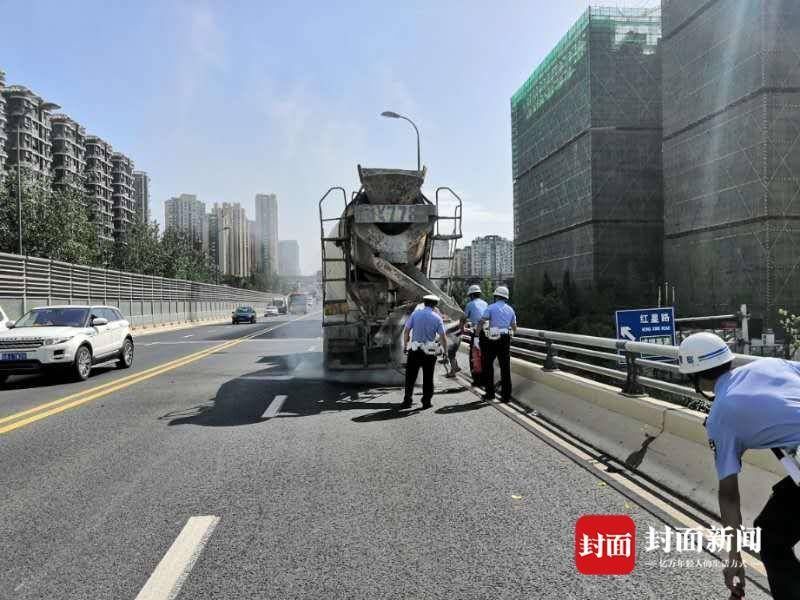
<point x="443" y="244"/>
<point x="335" y="268"/>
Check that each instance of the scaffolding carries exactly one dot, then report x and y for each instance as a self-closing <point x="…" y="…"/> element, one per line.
<point x="586" y="146"/>
<point x="731" y="159"/>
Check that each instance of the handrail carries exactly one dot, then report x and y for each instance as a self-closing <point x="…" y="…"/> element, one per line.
<point x="628" y="358"/>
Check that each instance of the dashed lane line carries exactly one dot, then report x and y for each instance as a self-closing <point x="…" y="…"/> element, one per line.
<point x="166" y="581"/>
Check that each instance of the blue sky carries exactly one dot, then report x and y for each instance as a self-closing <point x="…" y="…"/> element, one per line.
<point x="229" y="99"/>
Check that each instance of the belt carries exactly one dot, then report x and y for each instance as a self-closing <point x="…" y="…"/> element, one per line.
<point x="431" y="348"/>
<point x="494" y="333"/>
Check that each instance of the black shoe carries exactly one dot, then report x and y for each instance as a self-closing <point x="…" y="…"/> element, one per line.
<point x="426" y="405"/>
<point x="505" y="400"/>
<point x="405" y="404"/>
<point x="489" y="397"/>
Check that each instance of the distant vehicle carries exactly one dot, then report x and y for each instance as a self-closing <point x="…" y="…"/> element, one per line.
<point x="243" y="314"/>
<point x="298" y="303"/>
<point x="272" y="311"/>
<point x="280" y="304"/>
<point x="70" y="338"/>
<point x="4" y="321"/>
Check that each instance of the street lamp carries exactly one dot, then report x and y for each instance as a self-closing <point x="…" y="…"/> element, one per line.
<point x="393" y="115"/>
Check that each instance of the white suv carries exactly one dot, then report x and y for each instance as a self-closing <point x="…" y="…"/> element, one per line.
<point x="72" y="338"/>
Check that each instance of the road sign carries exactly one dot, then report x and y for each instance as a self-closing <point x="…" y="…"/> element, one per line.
<point x="651" y="325"/>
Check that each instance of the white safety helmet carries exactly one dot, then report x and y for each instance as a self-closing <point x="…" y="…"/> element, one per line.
<point x="702" y="351"/>
<point x="501" y="292"/>
<point x="430" y="298"/>
<point x="474" y="289"/>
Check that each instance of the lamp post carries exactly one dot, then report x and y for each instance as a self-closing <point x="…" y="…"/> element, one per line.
<point x="393" y="115"/>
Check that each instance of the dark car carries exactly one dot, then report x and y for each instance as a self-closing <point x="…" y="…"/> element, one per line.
<point x="243" y="314"/>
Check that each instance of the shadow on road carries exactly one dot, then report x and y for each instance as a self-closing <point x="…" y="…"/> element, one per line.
<point x="246" y="399"/>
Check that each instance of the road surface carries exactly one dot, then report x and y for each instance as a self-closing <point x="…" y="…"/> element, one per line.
<point x="239" y="473"/>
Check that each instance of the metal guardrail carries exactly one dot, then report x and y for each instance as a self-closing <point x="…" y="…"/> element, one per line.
<point x="556" y="344"/>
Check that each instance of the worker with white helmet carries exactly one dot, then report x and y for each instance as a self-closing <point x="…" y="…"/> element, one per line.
<point x="756" y="405"/>
<point x="419" y="341"/>
<point x="473" y="313"/>
<point x="499" y="322"/>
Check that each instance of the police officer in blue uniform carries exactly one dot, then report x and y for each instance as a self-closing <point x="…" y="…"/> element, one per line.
<point x="419" y="341"/>
<point x="473" y="313"/>
<point x="755" y="406"/>
<point x="499" y="322"/>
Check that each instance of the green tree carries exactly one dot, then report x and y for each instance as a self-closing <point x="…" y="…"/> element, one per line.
<point x="55" y="223"/>
<point x="183" y="257"/>
<point x="487" y="289"/>
<point x="569" y="295"/>
<point x="140" y="251"/>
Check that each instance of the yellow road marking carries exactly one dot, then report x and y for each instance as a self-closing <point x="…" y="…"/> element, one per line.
<point x="56" y="406"/>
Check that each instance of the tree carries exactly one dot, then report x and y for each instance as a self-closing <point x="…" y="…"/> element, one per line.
<point x="56" y="223"/>
<point x="140" y="251"/>
<point x="183" y="257"/>
<point x="569" y="295"/>
<point x="548" y="288"/>
<point x="487" y="288"/>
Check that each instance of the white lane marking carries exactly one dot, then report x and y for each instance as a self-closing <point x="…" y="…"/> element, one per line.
<point x="274" y="406"/>
<point x="166" y="581"/>
<point x="188" y="336"/>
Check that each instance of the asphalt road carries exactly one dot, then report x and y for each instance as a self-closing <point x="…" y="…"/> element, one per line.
<point x="319" y="489"/>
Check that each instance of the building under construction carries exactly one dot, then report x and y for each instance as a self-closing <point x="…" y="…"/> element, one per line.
<point x="2" y="125"/>
<point x="586" y="146"/>
<point x="731" y="155"/>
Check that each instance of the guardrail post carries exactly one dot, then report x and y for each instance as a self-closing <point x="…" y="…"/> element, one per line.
<point x="632" y="386"/>
<point x="550" y="360"/>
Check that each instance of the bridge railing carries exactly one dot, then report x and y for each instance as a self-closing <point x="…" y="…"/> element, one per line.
<point x="638" y="366"/>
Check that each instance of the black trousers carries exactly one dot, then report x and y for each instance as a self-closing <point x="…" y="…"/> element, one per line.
<point x="780" y="531"/>
<point x="500" y="350"/>
<point x="417" y="360"/>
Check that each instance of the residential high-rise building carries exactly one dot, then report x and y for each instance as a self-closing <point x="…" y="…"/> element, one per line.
<point x="141" y="194"/>
<point x="586" y="149"/>
<point x="252" y="244"/>
<point x="267" y="232"/>
<point x="731" y="159"/>
<point x="122" y="196"/>
<point x="69" y="148"/>
<point x="233" y="255"/>
<point x="98" y="182"/>
<point x="289" y="258"/>
<point x="186" y="213"/>
<point x="28" y="121"/>
<point x="2" y="124"/>
<point x="491" y="256"/>
<point x="462" y="262"/>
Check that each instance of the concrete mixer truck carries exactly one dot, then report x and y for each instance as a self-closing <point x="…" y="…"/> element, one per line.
<point x="383" y="248"/>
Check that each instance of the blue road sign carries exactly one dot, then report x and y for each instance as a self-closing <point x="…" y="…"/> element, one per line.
<point x="651" y="325"/>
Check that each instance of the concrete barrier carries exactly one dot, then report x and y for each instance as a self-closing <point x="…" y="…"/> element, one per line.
<point x="663" y="441"/>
